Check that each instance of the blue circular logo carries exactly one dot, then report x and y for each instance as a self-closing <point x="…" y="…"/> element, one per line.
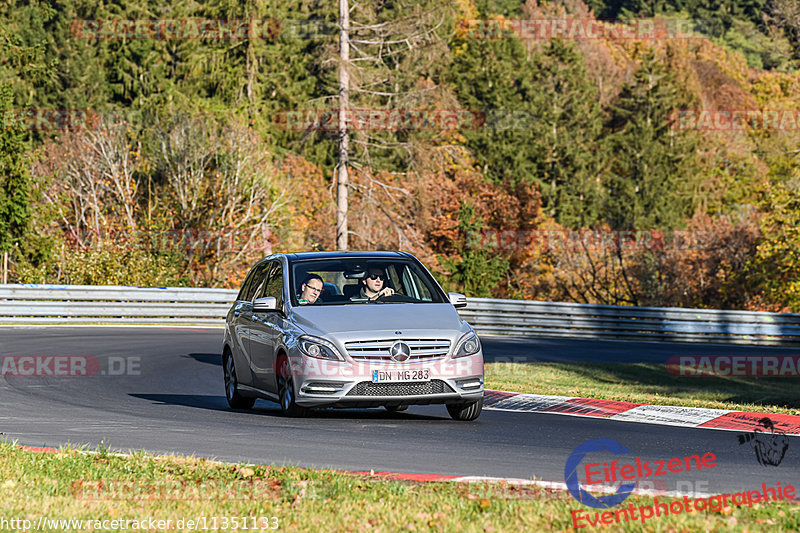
<point x="571" y="475"/>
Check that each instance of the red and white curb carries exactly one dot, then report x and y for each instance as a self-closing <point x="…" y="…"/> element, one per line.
<point x="665" y="415"/>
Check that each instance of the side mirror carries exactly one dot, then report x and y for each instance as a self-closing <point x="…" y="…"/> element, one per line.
<point x="268" y="303"/>
<point x="457" y="299"/>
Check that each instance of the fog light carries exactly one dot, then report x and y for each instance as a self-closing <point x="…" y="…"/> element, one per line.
<point x="472" y="383"/>
<point x="330" y="387"/>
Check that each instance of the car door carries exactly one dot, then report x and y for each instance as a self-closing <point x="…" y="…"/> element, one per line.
<point x="238" y="328"/>
<point x="242" y="321"/>
<point x="267" y="328"/>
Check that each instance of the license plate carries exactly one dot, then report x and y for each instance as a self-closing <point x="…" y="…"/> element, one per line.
<point x="391" y="376"/>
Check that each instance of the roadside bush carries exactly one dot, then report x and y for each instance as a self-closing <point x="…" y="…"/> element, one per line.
<point x="133" y="267"/>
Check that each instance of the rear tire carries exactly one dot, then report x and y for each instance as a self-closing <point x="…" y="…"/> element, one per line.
<point x="235" y="399"/>
<point x="286" y="391"/>
<point x="465" y="411"/>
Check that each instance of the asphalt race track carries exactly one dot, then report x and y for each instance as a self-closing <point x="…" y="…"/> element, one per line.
<point x="160" y="389"/>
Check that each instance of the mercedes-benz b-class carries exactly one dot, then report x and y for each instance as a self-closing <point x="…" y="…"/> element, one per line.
<point x="350" y="329"/>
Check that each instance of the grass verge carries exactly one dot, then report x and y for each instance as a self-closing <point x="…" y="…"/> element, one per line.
<point x="70" y="485"/>
<point x="647" y="384"/>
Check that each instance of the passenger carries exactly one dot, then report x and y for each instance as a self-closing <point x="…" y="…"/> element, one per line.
<point x="310" y="289"/>
<point x="372" y="285"/>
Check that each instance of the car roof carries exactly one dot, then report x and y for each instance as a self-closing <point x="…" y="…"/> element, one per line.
<point x="298" y="256"/>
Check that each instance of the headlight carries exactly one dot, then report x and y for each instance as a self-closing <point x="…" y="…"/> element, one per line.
<point x="319" y="348"/>
<point x="468" y="345"/>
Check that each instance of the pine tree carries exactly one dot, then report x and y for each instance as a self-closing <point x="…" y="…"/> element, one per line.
<point x="653" y="167"/>
<point x="548" y="122"/>
<point x="569" y="153"/>
<point x="48" y="65"/>
<point x="15" y="181"/>
<point x="491" y="77"/>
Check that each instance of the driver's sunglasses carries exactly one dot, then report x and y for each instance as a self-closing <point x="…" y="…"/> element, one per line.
<point x="381" y="277"/>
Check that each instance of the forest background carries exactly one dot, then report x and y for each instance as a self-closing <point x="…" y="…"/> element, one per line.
<point x="580" y="169"/>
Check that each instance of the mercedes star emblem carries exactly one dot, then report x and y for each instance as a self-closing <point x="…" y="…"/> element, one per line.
<point x="400" y="352"/>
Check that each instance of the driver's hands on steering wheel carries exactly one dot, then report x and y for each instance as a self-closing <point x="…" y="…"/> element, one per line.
<point x="383" y="293"/>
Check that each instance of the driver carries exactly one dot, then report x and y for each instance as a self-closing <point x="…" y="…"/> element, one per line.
<point x="372" y="285"/>
<point x="310" y="289"/>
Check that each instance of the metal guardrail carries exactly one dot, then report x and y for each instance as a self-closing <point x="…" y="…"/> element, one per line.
<point x="90" y="304"/>
<point x="73" y="304"/>
<point x="553" y="319"/>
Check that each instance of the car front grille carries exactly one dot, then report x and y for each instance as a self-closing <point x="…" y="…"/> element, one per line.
<point x="379" y="350"/>
<point x="403" y="388"/>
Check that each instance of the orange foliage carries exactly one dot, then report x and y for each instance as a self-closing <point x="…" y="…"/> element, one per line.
<point x="311" y="224"/>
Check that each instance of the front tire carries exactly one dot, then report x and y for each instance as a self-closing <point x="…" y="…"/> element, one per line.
<point x="235" y="399"/>
<point x="465" y="411"/>
<point x="286" y="391"/>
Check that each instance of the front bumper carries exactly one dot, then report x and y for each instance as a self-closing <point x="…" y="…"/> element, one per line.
<point x="347" y="384"/>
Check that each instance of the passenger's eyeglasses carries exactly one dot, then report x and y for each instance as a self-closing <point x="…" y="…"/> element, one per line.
<point x="381" y="277"/>
<point x="314" y="288"/>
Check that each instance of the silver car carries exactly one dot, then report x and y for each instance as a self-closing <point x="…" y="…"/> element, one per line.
<point x="350" y="329"/>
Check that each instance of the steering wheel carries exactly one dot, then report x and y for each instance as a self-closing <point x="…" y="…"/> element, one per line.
<point x="396" y="297"/>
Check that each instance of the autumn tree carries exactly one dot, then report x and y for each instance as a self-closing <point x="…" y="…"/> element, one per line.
<point x="786" y="14"/>
<point x="773" y="272"/>
<point x="475" y="270"/>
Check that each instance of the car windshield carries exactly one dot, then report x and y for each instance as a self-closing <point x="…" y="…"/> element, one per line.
<point x="362" y="281"/>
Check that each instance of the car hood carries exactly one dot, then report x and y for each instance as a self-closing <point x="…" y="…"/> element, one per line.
<point x="333" y="319"/>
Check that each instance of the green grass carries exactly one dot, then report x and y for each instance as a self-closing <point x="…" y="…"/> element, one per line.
<point x="101" y="486"/>
<point x="647" y="384"/>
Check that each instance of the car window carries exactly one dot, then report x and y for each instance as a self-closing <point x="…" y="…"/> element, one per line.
<point x="259" y="280"/>
<point x="412" y="287"/>
<point x="274" y="285"/>
<point x="248" y="282"/>
<point x="344" y="280"/>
